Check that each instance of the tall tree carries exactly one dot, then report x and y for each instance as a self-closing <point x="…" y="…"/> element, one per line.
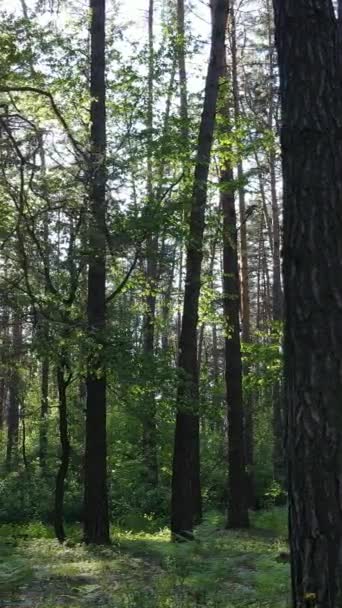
<point x="237" y="479"/>
<point x="311" y="94"/>
<point x="149" y="415"/>
<point x="15" y="387"/>
<point x="62" y="384"/>
<point x="244" y="289"/>
<point x="186" y="490"/>
<point x="96" y="526"/>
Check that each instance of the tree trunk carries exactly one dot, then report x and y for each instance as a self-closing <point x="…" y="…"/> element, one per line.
<point x="4" y="365"/>
<point x="44" y="409"/>
<point x="237" y="479"/>
<point x="149" y="414"/>
<point x="186" y="492"/>
<point x="311" y="93"/>
<point x="237" y="495"/>
<point x="62" y="384"/>
<point x="245" y="300"/>
<point x="44" y="400"/>
<point x="96" y="525"/>
<point x="14" y="394"/>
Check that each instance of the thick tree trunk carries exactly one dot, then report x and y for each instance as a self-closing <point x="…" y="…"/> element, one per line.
<point x="62" y="384"/>
<point x="311" y="91"/>
<point x="186" y="492"/>
<point x="96" y="525"/>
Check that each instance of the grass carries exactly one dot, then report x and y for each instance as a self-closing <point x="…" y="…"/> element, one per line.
<point x="220" y="569"/>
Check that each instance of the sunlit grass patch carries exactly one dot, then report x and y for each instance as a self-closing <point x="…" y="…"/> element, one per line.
<point x="219" y="569"/>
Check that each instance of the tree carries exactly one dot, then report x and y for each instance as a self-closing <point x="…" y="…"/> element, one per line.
<point x="96" y="526"/>
<point x="245" y="295"/>
<point x="186" y="492"/>
<point x="311" y="95"/>
<point x="237" y="478"/>
<point x="149" y="416"/>
<point x="14" y="389"/>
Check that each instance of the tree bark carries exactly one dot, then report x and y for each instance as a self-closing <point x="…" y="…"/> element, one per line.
<point x="186" y="506"/>
<point x="311" y="94"/>
<point x="237" y="478"/>
<point x="149" y="414"/>
<point x="62" y="384"/>
<point x="4" y="364"/>
<point x="14" y="394"/>
<point x="245" y="300"/>
<point x="96" y="524"/>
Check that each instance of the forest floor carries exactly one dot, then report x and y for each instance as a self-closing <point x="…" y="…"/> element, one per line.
<point x="220" y="569"/>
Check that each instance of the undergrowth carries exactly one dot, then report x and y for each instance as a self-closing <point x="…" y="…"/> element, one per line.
<point x="219" y="569"/>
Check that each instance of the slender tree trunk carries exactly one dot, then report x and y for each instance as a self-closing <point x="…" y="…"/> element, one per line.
<point x="237" y="479"/>
<point x="45" y="366"/>
<point x="237" y="496"/>
<point x="96" y="524"/>
<point x="44" y="402"/>
<point x="186" y="491"/>
<point x="44" y="409"/>
<point x="14" y="394"/>
<point x="311" y="93"/>
<point x="279" y="465"/>
<point x="62" y="384"/>
<point x="149" y="414"/>
<point x="268" y="220"/>
<point x="245" y="300"/>
<point x="167" y="304"/>
<point x="184" y="132"/>
<point x="4" y="364"/>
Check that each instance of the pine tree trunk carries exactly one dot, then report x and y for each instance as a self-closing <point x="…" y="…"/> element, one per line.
<point x="149" y="414"/>
<point x="96" y="525"/>
<point x="44" y="409"/>
<point x="3" y="365"/>
<point x="45" y="367"/>
<point x="14" y="394"/>
<point x="311" y="93"/>
<point x="186" y="506"/>
<point x="237" y="478"/>
<point x="245" y="301"/>
<point x="65" y="454"/>
<point x="237" y="494"/>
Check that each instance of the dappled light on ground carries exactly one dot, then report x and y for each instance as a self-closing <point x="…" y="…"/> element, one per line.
<point x="220" y="569"/>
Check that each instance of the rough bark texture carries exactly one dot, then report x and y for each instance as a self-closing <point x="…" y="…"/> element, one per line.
<point x="96" y="526"/>
<point x="65" y="454"/>
<point x="186" y="491"/>
<point x="311" y="90"/>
